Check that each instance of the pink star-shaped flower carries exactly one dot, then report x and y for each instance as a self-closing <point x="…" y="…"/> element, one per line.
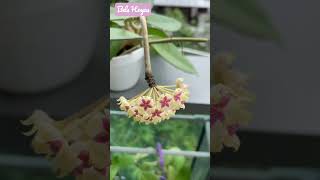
<point x="145" y="104"/>
<point x="177" y="97"/>
<point x="156" y="113"/>
<point x="165" y="102"/>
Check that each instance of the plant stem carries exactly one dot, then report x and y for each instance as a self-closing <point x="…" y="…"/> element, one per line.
<point x="167" y="40"/>
<point x="179" y="39"/>
<point x="145" y="42"/>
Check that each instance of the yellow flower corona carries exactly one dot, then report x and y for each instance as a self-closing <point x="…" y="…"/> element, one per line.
<point x="157" y="103"/>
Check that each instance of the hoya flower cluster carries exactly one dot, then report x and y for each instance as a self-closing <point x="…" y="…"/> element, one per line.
<point x="230" y="103"/>
<point x="157" y="103"/>
<point x="77" y="147"/>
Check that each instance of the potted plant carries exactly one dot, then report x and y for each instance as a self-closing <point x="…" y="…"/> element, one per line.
<point x="126" y="55"/>
<point x="44" y="45"/>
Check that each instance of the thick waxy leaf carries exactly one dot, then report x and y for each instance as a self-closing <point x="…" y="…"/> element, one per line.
<point x="172" y="55"/>
<point x="246" y="17"/>
<point x="157" y="33"/>
<point x="163" y="22"/>
<point x="121" y="34"/>
<point x="114" y="48"/>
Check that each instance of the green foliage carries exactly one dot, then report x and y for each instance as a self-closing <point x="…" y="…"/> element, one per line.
<point x="163" y="22"/>
<point x="174" y="56"/>
<point x="120" y="34"/>
<point x="188" y="29"/>
<point x="182" y="134"/>
<point x="159" y="25"/>
<point x="174" y="134"/>
<point x="246" y="17"/>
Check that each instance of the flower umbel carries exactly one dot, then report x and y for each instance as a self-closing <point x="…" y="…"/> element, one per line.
<point x="157" y="103"/>
<point x="76" y="146"/>
<point x="230" y="103"/>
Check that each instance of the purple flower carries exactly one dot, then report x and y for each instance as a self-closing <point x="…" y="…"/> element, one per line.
<point x="160" y="154"/>
<point x="161" y="161"/>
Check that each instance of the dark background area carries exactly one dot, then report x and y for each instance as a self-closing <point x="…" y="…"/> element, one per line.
<point x="285" y="131"/>
<point x="62" y="100"/>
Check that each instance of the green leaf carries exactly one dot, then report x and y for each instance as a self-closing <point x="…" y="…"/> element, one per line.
<point x="119" y="23"/>
<point x="148" y="176"/>
<point x="178" y="162"/>
<point x="184" y="173"/>
<point x="120" y="34"/>
<point x="114" y="48"/>
<point x="246" y="17"/>
<point x="156" y="32"/>
<point x="126" y="160"/>
<point x="113" y="171"/>
<point x="171" y="173"/>
<point x="172" y="55"/>
<point x="163" y="22"/>
<point x="148" y="166"/>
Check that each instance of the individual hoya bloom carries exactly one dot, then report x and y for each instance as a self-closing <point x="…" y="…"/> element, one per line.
<point x="138" y="118"/>
<point x="123" y="103"/>
<point x="165" y="101"/>
<point x="48" y="139"/>
<point x="180" y="84"/>
<point x="224" y="136"/>
<point x="133" y="111"/>
<point x="180" y="96"/>
<point x="145" y="103"/>
<point x="157" y="115"/>
<point x="168" y="114"/>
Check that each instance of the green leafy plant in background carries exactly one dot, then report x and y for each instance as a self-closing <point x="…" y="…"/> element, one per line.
<point x="175" y="135"/>
<point x="146" y="167"/>
<point x="125" y="37"/>
<point x="246" y="17"/>
<point x="189" y="28"/>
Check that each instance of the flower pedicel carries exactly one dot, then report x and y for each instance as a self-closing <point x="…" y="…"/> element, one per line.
<point x="157" y="103"/>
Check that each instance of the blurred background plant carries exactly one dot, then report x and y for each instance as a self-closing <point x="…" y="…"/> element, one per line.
<point x="247" y="18"/>
<point x="191" y="26"/>
<point x="174" y="135"/>
<point x="125" y="37"/>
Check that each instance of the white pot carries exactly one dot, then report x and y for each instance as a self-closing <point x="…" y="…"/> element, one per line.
<point x="46" y="43"/>
<point x="166" y="74"/>
<point x="125" y="70"/>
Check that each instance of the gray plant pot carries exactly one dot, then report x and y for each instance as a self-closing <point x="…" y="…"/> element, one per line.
<point x="199" y="85"/>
